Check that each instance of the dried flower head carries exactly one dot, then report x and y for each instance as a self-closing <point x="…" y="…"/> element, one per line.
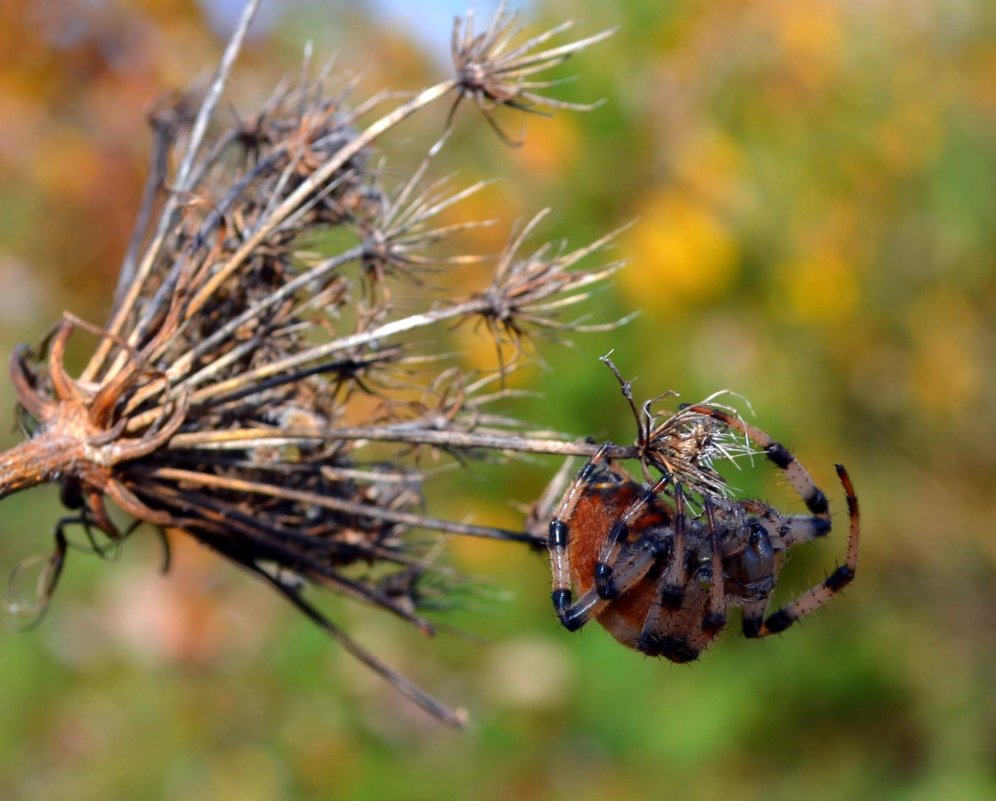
<point x="496" y="68"/>
<point x="685" y="444"/>
<point x="229" y="394"/>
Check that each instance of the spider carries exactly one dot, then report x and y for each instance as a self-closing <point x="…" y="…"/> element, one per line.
<point x="660" y="577"/>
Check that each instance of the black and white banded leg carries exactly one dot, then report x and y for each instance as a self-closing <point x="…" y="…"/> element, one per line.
<point x="755" y="625"/>
<point x="797" y="474"/>
<point x="787" y="530"/>
<point x="621" y="562"/>
<point x="572" y="615"/>
<point x="609" y="580"/>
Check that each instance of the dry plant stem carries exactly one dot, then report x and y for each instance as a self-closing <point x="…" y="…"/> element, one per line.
<point x="243" y="438"/>
<point x="176" y="371"/>
<point x="314" y="499"/>
<point x="457" y="718"/>
<point x="314" y="182"/>
<point x="494" y="302"/>
<point x="35" y="461"/>
<point x="135" y="283"/>
<point x="486" y="69"/>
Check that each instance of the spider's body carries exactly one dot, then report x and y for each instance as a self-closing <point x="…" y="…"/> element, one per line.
<point x="659" y="578"/>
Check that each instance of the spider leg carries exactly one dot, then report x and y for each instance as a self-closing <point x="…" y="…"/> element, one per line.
<point x="671" y="589"/>
<point x="670" y="592"/>
<point x="795" y="529"/>
<point x="688" y="616"/>
<point x="655" y="639"/>
<point x="634" y="562"/>
<point x="575" y="615"/>
<point x="542" y="510"/>
<point x="606" y="581"/>
<point x="787" y="530"/>
<point x="715" y="618"/>
<point x="797" y="474"/>
<point x="819" y="594"/>
<point x="632" y="565"/>
<point x="559" y="537"/>
<point x="627" y="566"/>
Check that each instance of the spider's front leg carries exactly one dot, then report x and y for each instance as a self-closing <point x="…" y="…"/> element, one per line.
<point x="613" y="575"/>
<point x="633" y="563"/>
<point x="590" y="545"/>
<point x="670" y="590"/>
<point x="816" y="596"/>
<point x="573" y="616"/>
<point x="797" y="474"/>
<point x="786" y="530"/>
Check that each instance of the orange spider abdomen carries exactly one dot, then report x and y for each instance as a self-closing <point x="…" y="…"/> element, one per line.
<point x="595" y="514"/>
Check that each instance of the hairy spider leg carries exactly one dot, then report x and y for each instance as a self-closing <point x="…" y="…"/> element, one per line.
<point x="715" y="618"/>
<point x="624" y="613"/>
<point x="669" y="594"/>
<point x="573" y="615"/>
<point x="559" y="540"/>
<point x="589" y="514"/>
<point x="797" y="474"/>
<point x="671" y="588"/>
<point x="786" y="530"/>
<point x="684" y="619"/>
<point x="609" y="581"/>
<point x="656" y="637"/>
<point x="819" y="594"/>
<point x="755" y="625"/>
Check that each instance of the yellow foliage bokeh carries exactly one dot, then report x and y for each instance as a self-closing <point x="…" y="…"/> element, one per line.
<point x="818" y="288"/>
<point x="681" y="253"/>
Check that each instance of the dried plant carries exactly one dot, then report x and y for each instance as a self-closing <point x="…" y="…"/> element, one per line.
<point x="229" y="394"/>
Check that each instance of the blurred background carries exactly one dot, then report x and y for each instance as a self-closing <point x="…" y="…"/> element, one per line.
<point x="816" y="204"/>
